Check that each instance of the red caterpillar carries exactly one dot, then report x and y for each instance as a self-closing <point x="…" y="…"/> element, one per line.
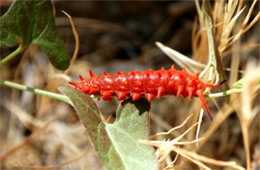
<point x="149" y="83"/>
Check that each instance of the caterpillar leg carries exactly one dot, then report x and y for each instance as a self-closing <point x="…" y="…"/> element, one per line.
<point x="149" y="96"/>
<point x="107" y="95"/>
<point x="202" y="99"/>
<point x="121" y="95"/>
<point x="161" y="92"/>
<point x="180" y="90"/>
<point x="135" y="96"/>
<point x="190" y="92"/>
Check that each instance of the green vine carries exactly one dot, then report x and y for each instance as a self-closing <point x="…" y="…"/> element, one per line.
<point x="225" y="93"/>
<point x="36" y="91"/>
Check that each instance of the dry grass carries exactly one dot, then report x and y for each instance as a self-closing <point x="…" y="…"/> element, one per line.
<point x="230" y="21"/>
<point x="165" y="147"/>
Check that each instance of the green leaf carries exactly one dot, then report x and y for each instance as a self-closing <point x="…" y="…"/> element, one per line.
<point x="117" y="144"/>
<point x="33" y="22"/>
<point x="239" y="84"/>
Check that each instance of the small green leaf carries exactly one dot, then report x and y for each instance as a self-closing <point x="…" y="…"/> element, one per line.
<point x="117" y="144"/>
<point x="33" y="22"/>
<point x="240" y="83"/>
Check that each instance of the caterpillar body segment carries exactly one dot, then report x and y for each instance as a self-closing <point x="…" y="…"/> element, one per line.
<point x="148" y="83"/>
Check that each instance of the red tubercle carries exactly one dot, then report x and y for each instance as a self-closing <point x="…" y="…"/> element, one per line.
<point x="148" y="83"/>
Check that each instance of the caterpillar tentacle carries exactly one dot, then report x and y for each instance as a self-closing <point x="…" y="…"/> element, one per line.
<point x="149" y="83"/>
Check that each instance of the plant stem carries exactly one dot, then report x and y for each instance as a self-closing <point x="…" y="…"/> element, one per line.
<point x="225" y="93"/>
<point x="67" y="100"/>
<point x="13" y="54"/>
<point x="36" y="91"/>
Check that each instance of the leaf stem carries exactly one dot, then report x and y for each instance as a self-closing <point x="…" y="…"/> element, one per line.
<point x="36" y="91"/>
<point x="13" y="54"/>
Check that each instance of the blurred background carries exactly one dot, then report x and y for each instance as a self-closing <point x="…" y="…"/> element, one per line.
<point x="116" y="36"/>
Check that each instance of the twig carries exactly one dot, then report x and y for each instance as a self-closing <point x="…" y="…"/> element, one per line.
<point x="13" y="54"/>
<point x="76" y="36"/>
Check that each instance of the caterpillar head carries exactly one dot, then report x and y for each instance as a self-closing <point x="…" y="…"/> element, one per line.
<point x="82" y="85"/>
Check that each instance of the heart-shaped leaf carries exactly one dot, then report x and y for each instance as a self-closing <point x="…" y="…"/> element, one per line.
<point x="33" y="22"/>
<point x="117" y="144"/>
